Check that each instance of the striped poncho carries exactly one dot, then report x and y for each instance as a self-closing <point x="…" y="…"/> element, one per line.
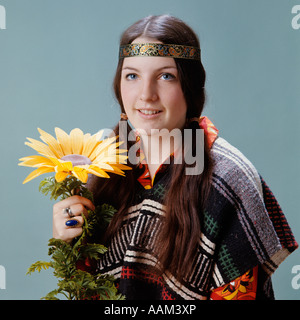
<point x="242" y="227"/>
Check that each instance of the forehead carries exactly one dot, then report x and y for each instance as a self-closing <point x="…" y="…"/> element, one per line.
<point x="148" y="63"/>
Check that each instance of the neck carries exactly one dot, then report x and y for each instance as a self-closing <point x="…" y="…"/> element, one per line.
<point x="158" y="147"/>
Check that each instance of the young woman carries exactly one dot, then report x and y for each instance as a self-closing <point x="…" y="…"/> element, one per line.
<point x="216" y="234"/>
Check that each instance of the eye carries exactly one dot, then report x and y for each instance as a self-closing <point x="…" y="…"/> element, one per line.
<point x="131" y="76"/>
<point x="167" y="76"/>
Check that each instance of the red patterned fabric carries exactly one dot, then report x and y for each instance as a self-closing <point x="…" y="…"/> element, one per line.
<point x="278" y="219"/>
<point x="242" y="288"/>
<point x="149" y="277"/>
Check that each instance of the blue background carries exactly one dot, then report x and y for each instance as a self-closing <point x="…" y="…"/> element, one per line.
<point x="57" y="62"/>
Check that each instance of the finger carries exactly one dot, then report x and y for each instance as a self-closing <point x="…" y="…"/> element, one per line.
<point x="73" y="200"/>
<point x="64" y="232"/>
<point x="70" y="234"/>
<point x="74" y="223"/>
<point x="78" y="209"/>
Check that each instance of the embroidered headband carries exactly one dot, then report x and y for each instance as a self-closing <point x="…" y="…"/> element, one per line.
<point x="159" y="50"/>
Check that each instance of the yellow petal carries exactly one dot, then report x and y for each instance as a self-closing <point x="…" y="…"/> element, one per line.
<point x="89" y="146"/>
<point x="40" y="147"/>
<point x="115" y="159"/>
<point x="76" y="136"/>
<point x="61" y="176"/>
<point x="105" y="159"/>
<point x="97" y="172"/>
<point x="64" y="141"/>
<point x="64" y="166"/>
<point x="104" y="166"/>
<point x="37" y="172"/>
<point x="99" y="134"/>
<point x="117" y="170"/>
<point x="121" y="167"/>
<point x="86" y="139"/>
<point x="80" y="174"/>
<point x="52" y="143"/>
<point x="56" y="161"/>
<point x="101" y="147"/>
<point x="36" y="161"/>
<point x="113" y="149"/>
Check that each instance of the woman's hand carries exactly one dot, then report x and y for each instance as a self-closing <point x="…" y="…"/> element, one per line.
<point x="75" y="205"/>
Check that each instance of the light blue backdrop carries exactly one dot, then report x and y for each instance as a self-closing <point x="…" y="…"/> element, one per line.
<point x="57" y="61"/>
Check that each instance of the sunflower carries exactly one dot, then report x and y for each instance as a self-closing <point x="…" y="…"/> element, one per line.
<point x="76" y="154"/>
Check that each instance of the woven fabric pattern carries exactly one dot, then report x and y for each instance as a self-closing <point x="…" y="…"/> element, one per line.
<point x="242" y="227"/>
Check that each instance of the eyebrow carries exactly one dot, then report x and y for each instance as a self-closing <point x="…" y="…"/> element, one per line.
<point x="162" y="68"/>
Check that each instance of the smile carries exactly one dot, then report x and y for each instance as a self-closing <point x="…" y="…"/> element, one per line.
<point x="150" y="112"/>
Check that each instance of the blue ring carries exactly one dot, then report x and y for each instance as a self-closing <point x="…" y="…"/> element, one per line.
<point x="71" y="223"/>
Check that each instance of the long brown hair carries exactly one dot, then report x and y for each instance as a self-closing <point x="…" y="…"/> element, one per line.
<point x="181" y="230"/>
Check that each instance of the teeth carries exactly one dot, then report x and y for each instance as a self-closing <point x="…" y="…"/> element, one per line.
<point x="149" y="111"/>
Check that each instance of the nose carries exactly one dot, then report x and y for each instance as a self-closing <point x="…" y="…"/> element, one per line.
<point x="148" y="91"/>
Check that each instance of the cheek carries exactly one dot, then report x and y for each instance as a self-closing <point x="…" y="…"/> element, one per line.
<point x="176" y="101"/>
<point x="126" y="101"/>
<point x="126" y="96"/>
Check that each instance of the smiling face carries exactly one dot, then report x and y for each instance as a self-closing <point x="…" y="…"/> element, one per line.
<point x="151" y="92"/>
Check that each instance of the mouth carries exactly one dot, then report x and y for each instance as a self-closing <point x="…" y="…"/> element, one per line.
<point x="149" y="112"/>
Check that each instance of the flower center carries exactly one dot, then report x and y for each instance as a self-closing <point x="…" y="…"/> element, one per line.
<point x="77" y="159"/>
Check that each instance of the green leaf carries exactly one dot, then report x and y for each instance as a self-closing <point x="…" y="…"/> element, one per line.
<point x="52" y="295"/>
<point x="56" y="189"/>
<point x="64" y="189"/>
<point x="38" y="266"/>
<point x="92" y="250"/>
<point x="74" y="283"/>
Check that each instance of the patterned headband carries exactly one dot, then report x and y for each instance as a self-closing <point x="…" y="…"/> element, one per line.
<point x="159" y="50"/>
